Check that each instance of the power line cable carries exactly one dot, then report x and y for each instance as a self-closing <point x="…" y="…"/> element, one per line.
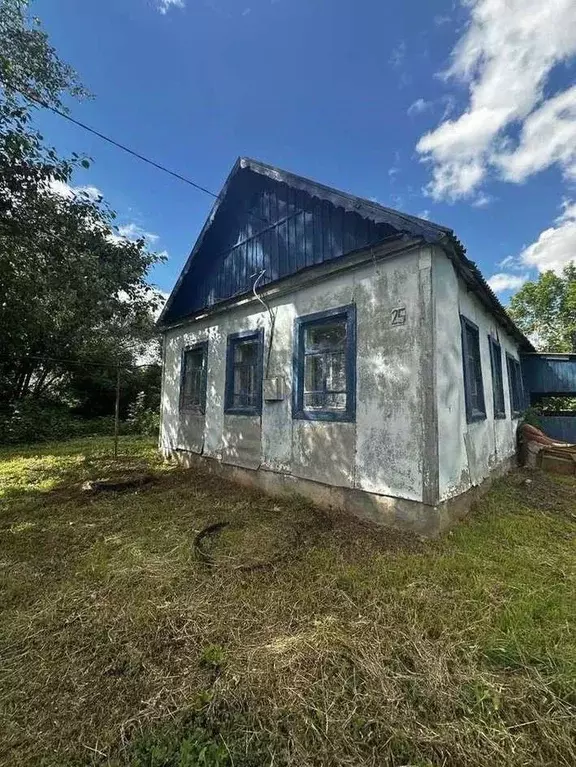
<point x="124" y="148"/>
<point x="85" y="364"/>
<point x="112" y="141"/>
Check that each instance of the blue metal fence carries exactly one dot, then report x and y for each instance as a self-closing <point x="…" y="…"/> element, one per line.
<point x="560" y="427"/>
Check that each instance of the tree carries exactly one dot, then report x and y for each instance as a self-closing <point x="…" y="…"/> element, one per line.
<point x="28" y="62"/>
<point x="71" y="287"/>
<point x="545" y="310"/>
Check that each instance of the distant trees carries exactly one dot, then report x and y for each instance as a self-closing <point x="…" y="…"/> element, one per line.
<point x="73" y="293"/>
<point x="546" y="310"/>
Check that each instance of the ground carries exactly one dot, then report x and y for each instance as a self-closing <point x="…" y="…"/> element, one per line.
<point x="288" y="637"/>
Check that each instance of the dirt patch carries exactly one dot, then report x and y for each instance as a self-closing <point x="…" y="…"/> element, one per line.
<point x="545" y="492"/>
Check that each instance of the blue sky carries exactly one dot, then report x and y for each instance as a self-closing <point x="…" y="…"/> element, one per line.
<point x="461" y="112"/>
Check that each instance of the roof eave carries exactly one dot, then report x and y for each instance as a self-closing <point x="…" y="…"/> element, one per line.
<point x="475" y="280"/>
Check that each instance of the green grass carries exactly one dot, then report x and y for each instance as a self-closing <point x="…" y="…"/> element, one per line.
<point x="300" y="638"/>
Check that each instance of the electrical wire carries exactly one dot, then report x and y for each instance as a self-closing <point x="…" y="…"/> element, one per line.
<point x="112" y="141"/>
<point x="86" y="364"/>
<point x="271" y="314"/>
<point x="123" y="147"/>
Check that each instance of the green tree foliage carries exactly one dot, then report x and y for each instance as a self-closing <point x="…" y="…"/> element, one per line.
<point x="71" y="288"/>
<point x="27" y="60"/>
<point x="546" y="310"/>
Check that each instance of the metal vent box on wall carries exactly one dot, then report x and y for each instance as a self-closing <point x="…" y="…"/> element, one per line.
<point x="274" y="389"/>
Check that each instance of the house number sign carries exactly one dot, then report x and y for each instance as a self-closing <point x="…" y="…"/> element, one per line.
<point x="399" y="316"/>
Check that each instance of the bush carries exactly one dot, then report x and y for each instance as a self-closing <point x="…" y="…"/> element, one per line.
<point x="532" y="417"/>
<point x="41" y="421"/>
<point x="142" y="419"/>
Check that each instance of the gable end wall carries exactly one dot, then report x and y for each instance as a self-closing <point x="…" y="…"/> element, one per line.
<point x="391" y="447"/>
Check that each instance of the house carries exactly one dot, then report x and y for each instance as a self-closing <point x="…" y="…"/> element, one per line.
<point x="323" y="344"/>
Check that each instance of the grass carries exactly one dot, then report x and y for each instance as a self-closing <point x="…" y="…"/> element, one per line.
<point x="296" y="638"/>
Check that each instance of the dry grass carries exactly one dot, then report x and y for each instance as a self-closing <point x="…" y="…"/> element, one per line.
<point x="307" y="639"/>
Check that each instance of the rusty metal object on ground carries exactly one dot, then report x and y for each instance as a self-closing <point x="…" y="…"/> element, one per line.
<point x="537" y="450"/>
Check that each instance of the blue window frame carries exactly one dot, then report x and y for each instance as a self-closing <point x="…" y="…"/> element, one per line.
<point x="325" y="366"/>
<point x="497" y="381"/>
<point x="473" y="384"/>
<point x="244" y="355"/>
<point x="193" y="378"/>
<point x="515" y="385"/>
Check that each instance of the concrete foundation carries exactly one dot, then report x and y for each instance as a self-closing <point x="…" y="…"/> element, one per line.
<point x="413" y="516"/>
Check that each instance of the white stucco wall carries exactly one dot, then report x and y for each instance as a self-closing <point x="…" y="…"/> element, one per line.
<point x="466" y="451"/>
<point x="387" y="450"/>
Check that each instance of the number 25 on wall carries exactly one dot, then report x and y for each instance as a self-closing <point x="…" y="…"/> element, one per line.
<point x="399" y="316"/>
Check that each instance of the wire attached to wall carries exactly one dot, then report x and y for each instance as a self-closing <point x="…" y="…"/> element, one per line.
<point x="259" y="276"/>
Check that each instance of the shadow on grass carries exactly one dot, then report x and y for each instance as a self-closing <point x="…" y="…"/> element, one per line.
<point x="360" y="645"/>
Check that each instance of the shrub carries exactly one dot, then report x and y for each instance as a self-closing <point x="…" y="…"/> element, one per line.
<point x="532" y="417"/>
<point x="142" y="419"/>
<point x="32" y="420"/>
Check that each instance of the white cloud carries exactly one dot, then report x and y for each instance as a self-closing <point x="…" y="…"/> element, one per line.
<point x="398" y="55"/>
<point x="127" y="232"/>
<point x="503" y="281"/>
<point x="394" y="169"/>
<point x="482" y="200"/>
<point x="548" y="136"/>
<point x="505" y="58"/>
<point x="556" y="246"/>
<point x="449" y="106"/>
<point x="165" y="5"/>
<point x="62" y="189"/>
<point x="134" y="232"/>
<point x="510" y="262"/>
<point x="440" y="20"/>
<point x="419" y="106"/>
<point x="425" y="214"/>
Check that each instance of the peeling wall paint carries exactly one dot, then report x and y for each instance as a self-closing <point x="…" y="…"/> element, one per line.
<point x="385" y="450"/>
<point x="466" y="452"/>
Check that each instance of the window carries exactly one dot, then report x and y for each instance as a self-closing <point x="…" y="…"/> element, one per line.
<point x="515" y="385"/>
<point x="497" y="382"/>
<point x="325" y="366"/>
<point x="193" y="383"/>
<point x="244" y="373"/>
<point x="473" y="386"/>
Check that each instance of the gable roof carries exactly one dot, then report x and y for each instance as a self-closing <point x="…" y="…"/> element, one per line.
<point x="402" y="224"/>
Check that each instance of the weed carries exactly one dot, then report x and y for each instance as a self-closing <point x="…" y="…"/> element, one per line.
<point x="354" y="645"/>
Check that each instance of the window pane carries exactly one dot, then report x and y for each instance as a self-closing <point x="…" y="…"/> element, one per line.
<point x="474" y="387"/>
<point x="314" y="400"/>
<point x="329" y="336"/>
<point x="244" y="374"/>
<point x="336" y="372"/>
<point x="313" y="373"/>
<point x="245" y="385"/>
<point x="193" y="380"/>
<point x="246" y="352"/>
<point x="324" y="368"/>
<point x="497" y="383"/>
<point x="515" y="385"/>
<point x="336" y="401"/>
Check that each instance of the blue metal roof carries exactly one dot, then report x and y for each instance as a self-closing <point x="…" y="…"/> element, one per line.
<point x="267" y="219"/>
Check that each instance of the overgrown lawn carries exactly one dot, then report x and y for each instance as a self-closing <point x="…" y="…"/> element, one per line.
<point x="295" y="637"/>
